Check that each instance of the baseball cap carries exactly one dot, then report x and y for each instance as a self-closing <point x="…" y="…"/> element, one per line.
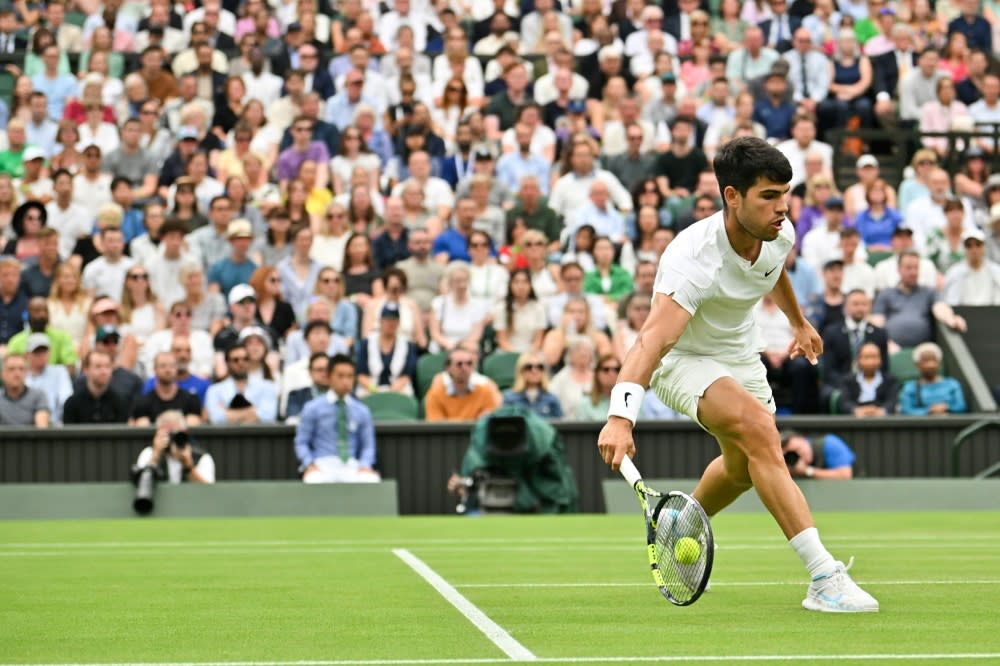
<point x="294" y="26"/>
<point x="887" y="11"/>
<point x="32" y="153"/>
<point x="38" y="341"/>
<point x="239" y="229"/>
<point x="668" y="77"/>
<point x="241" y="292"/>
<point x="106" y="333"/>
<point x="833" y="261"/>
<point x="993" y="181"/>
<point x="482" y="154"/>
<point x="187" y="132"/>
<point x="973" y="152"/>
<point x="866" y="161"/>
<point x="903" y="229"/>
<point x="255" y="331"/>
<point x="576" y="106"/>
<point x="834" y="202"/>
<point x="390" y="311"/>
<point x="973" y="234"/>
<point x="994" y="214"/>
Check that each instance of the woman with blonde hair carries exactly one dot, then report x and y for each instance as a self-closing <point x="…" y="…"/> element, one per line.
<point x="8" y="204"/>
<point x="819" y="189"/>
<point x="594" y="407"/>
<point x="69" y="303"/>
<point x="576" y="322"/>
<point x="914" y="183"/>
<point x="344" y="314"/>
<point x="142" y="313"/>
<point x="531" y="387"/>
<point x="208" y="308"/>
<point x="411" y="324"/>
<point x="330" y="237"/>
<point x="457" y="317"/>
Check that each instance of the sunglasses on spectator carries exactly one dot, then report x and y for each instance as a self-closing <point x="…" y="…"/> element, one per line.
<point x="238" y="359"/>
<point x="181" y="314"/>
<point x="478" y="245"/>
<point x="534" y="244"/>
<point x="138" y="276"/>
<point x="610" y="368"/>
<point x="533" y="366"/>
<point x="330" y="280"/>
<point x="462" y="364"/>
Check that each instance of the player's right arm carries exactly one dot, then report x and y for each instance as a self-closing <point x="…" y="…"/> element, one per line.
<point x="663" y="328"/>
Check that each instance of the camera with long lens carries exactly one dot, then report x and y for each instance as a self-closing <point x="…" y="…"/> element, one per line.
<point x="791" y="458"/>
<point x="145" y="487"/>
<point x="180" y="439"/>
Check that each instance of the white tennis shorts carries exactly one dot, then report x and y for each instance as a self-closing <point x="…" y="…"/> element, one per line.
<point x="682" y="380"/>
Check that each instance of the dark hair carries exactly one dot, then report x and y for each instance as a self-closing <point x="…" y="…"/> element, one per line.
<point x="119" y="180"/>
<point x="640" y="188"/>
<point x="509" y="299"/>
<point x="17" y="220"/>
<point x="393" y="272"/>
<point x="171" y="225"/>
<point x="312" y="326"/>
<point x="341" y="359"/>
<point x="218" y="197"/>
<point x="317" y="356"/>
<point x="238" y="345"/>
<point x="59" y="173"/>
<point x="741" y="162"/>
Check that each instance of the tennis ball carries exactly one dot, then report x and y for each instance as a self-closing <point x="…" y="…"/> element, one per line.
<point x="687" y="550"/>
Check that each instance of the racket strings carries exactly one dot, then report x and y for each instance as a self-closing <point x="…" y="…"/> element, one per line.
<point x="678" y="519"/>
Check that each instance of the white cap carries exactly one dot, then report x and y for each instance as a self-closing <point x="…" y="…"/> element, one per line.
<point x="32" y="153"/>
<point x="973" y="233"/>
<point x="241" y="291"/>
<point x="994" y="214"/>
<point x="866" y="161"/>
<point x="251" y="331"/>
<point x="37" y="341"/>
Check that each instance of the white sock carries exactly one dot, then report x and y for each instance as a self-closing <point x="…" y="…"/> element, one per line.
<point x="814" y="555"/>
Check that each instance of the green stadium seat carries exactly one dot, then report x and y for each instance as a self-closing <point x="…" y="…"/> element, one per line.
<point x="875" y="257"/>
<point x="7" y="82"/>
<point x="500" y="366"/>
<point x="76" y="18"/>
<point x="428" y="365"/>
<point x="901" y="365"/>
<point x="392" y="407"/>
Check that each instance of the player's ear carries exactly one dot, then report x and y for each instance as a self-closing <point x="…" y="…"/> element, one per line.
<point x="731" y="196"/>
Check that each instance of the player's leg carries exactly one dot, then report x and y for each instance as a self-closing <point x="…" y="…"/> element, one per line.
<point x="724" y="480"/>
<point x="748" y="435"/>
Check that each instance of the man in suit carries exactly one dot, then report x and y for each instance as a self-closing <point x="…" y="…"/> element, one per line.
<point x="288" y="57"/>
<point x="10" y="42"/>
<point x="841" y="342"/>
<point x="456" y="166"/>
<point x="317" y="77"/>
<point x="889" y="69"/>
<point x="808" y="71"/>
<point x="323" y="131"/>
<point x="778" y="29"/>
<point x="211" y="84"/>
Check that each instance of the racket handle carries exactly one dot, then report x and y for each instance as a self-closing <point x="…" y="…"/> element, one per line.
<point x="629" y="471"/>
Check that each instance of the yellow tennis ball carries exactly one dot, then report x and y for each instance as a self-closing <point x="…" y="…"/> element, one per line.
<point x="687" y="550"/>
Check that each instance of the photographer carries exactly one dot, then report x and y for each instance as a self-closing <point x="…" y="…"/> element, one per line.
<point x="827" y="458"/>
<point x="173" y="455"/>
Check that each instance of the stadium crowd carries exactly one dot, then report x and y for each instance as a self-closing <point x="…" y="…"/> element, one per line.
<point x="202" y="203"/>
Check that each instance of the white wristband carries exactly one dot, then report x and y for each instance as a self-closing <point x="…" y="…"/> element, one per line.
<point x="626" y="401"/>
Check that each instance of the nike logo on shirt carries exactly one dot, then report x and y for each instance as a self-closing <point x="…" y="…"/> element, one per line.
<point x="771" y="271"/>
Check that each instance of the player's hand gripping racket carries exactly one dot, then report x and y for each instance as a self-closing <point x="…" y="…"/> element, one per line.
<point x="679" y="537"/>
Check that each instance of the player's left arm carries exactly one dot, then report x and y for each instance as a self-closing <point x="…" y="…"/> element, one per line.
<point x="805" y="340"/>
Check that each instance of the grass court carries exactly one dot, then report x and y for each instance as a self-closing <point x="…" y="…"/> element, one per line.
<point x="572" y="589"/>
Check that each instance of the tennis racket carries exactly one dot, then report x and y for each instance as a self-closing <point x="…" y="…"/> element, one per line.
<point x="679" y="537"/>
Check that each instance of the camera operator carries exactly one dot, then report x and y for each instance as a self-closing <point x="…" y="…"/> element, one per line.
<point x="173" y="455"/>
<point x="827" y="458"/>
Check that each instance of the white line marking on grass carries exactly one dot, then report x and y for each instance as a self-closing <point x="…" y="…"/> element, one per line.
<point x="493" y="631"/>
<point x="771" y="583"/>
<point x="944" y="656"/>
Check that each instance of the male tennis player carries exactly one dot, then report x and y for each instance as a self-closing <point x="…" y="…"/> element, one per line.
<point x="699" y="352"/>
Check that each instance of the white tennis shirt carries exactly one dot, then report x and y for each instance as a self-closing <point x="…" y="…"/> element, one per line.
<point x="719" y="288"/>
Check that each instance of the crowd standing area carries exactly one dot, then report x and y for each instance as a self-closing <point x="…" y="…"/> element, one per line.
<point x="205" y="207"/>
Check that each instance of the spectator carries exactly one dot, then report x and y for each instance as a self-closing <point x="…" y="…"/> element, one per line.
<point x="931" y="394"/>
<point x="320" y="309"/>
<point x="531" y="387"/>
<point x="107" y="273"/>
<point x="608" y="279"/>
<point x="303" y="148"/>
<point x="208" y="309"/>
<point x="822" y="243"/>
<point x="887" y="270"/>
<point x="877" y="222"/>
<point x="411" y="322"/>
<point x="459" y="393"/>
<point x="391" y="245"/>
<point x="871" y="390"/>
<point x="576" y="322"/>
<point x="272" y="312"/>
<point x="62" y="349"/>
<point x="574" y="186"/>
<point x="387" y="360"/>
<point x="775" y="112"/>
<point x="830" y="458"/>
<point x="13" y="301"/>
<point x="753" y="59"/>
<point x="926" y="213"/>
<point x="974" y="280"/>
<point x="819" y="190"/>
<point x="318" y="386"/>
<point x="27" y="223"/>
<point x="572" y="279"/>
<point x="95" y="399"/>
<point x="637" y="307"/>
<point x="361" y="278"/>
<point x="842" y="342"/>
<point x="858" y="274"/>
<point x="868" y="173"/>
<point x="164" y="264"/>
<point x="180" y="347"/>
<point x="299" y="374"/>
<point x="240" y="399"/>
<point x="794" y="378"/>
<point x="237" y="268"/>
<point x="531" y="208"/>
<point x="179" y="325"/>
<point x="594" y="407"/>
<point x="803" y="143"/>
<point x="52" y="380"/>
<point x="263" y="361"/>
<point x="940" y="114"/>
<point x="600" y="214"/>
<point x="142" y="313"/>
<point x="173" y="453"/>
<point x="335" y="438"/>
<point x="71" y="220"/>
<point x="520" y="162"/>
<point x="456" y="316"/>
<point x="166" y="395"/>
<point x="243" y="314"/>
<point x="423" y="274"/>
<point x="908" y="310"/>
<point x="519" y="318"/>
<point x="210" y="241"/>
<point x="945" y="246"/>
<point x="807" y="71"/>
<point x="970" y="23"/>
<point x="298" y="272"/>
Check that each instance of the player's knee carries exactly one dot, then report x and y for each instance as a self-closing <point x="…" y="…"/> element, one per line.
<point x="738" y="474"/>
<point x="758" y="437"/>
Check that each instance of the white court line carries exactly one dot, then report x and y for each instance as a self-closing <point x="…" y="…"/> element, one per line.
<point x="491" y="629"/>
<point x="769" y="583"/>
<point x="943" y="656"/>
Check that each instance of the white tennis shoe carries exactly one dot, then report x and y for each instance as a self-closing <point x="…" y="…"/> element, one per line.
<point x="836" y="592"/>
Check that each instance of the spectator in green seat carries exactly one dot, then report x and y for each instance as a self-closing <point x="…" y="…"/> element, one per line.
<point x="608" y="278"/>
<point x="531" y="387"/>
<point x="931" y="394"/>
<point x="594" y="407"/>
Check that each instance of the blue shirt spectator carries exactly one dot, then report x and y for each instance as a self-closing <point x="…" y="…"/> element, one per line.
<point x="511" y="167"/>
<point x="453" y="243"/>
<point x="57" y="90"/>
<point x="777" y="120"/>
<point x="316" y="435"/>
<point x="544" y="403"/>
<point x="191" y="384"/>
<point x="227" y="273"/>
<point x="260" y="393"/>
<point x="878" y="231"/>
<point x="805" y="280"/>
<point x="976" y="29"/>
<point x="918" y="397"/>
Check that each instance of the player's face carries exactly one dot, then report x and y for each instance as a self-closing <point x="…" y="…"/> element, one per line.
<point x="762" y="211"/>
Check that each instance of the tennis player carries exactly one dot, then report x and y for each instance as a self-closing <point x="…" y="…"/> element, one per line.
<point x="699" y="352"/>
